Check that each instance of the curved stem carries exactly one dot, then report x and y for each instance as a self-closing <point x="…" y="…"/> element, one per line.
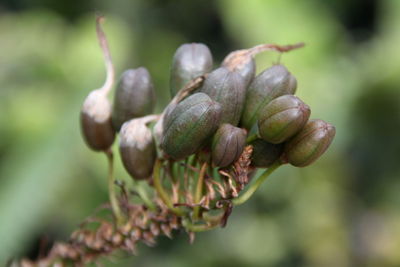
<point x="111" y="193"/>
<point x="144" y="196"/>
<point x="160" y="190"/>
<point x="107" y="56"/>
<point x="199" y="190"/>
<point x="237" y="58"/>
<point x="279" y="48"/>
<point x="254" y="186"/>
<point x="197" y="227"/>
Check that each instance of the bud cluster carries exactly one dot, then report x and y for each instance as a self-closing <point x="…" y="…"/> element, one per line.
<point x="202" y="150"/>
<point x="220" y="126"/>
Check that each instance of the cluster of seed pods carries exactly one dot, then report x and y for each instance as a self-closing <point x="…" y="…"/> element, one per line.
<point x="221" y="125"/>
<point x="234" y="104"/>
<point x="215" y="114"/>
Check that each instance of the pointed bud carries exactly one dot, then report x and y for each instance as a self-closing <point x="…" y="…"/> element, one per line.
<point x="137" y="148"/>
<point x="282" y="118"/>
<point x="190" y="61"/>
<point x="227" y="145"/>
<point x="227" y="88"/>
<point x="134" y="96"/>
<point x="158" y="128"/>
<point x="189" y="124"/>
<point x="241" y="62"/>
<point x="264" y="153"/>
<point x="310" y="143"/>
<point x="96" y="121"/>
<point x="269" y="84"/>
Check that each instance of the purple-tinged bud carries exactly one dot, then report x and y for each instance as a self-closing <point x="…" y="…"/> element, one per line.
<point x="269" y="84"/>
<point x="189" y="124"/>
<point x="227" y="145"/>
<point x="282" y="118"/>
<point x="137" y="147"/>
<point x="264" y="153"/>
<point x="134" y="96"/>
<point x="96" y="121"/>
<point x="310" y="143"/>
<point x="227" y="88"/>
<point x="189" y="62"/>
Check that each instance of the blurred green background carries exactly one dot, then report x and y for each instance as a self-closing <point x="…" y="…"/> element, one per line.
<point x="342" y="211"/>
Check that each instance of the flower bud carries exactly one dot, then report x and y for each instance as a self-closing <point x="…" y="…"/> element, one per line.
<point x="137" y="148"/>
<point x="282" y="118"/>
<point x="227" y="145"/>
<point x="310" y="143"/>
<point x="134" y="96"/>
<point x="269" y="84"/>
<point x="158" y="128"/>
<point x="189" y="62"/>
<point x="189" y="124"/>
<point x="242" y="63"/>
<point x="227" y="88"/>
<point x="264" y="153"/>
<point x="96" y="121"/>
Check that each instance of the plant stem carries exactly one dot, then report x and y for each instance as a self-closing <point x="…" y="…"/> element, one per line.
<point x="251" y="138"/>
<point x="199" y="191"/>
<point x="160" y="190"/>
<point x="197" y="227"/>
<point x="144" y="196"/>
<point x="111" y="193"/>
<point x="254" y="186"/>
<point x="107" y="56"/>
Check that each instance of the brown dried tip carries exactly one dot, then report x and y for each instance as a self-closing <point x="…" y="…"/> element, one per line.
<point x="96" y="111"/>
<point x="237" y="59"/>
<point x="242" y="166"/>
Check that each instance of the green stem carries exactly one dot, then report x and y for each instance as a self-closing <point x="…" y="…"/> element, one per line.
<point x="160" y="190"/>
<point x="144" y="196"/>
<point x="172" y="171"/>
<point x="251" y="138"/>
<point x="197" y="227"/>
<point x="254" y="186"/>
<point x="199" y="191"/>
<point x="113" y="198"/>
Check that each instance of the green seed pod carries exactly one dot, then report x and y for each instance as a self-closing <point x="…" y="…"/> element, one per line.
<point x="137" y="148"/>
<point x="241" y="63"/>
<point x="190" y="123"/>
<point x="189" y="62"/>
<point x="134" y="96"/>
<point x="96" y="121"/>
<point x="227" y="88"/>
<point x="264" y="153"/>
<point x="269" y="84"/>
<point x="227" y="145"/>
<point x="282" y="118"/>
<point x="310" y="143"/>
